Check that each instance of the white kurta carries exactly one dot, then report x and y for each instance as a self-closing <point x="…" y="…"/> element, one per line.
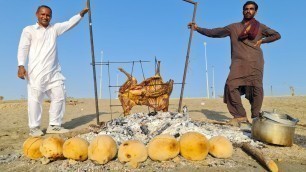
<point x="39" y="45"/>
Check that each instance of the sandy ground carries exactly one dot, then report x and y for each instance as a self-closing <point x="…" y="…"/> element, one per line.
<point x="14" y="131"/>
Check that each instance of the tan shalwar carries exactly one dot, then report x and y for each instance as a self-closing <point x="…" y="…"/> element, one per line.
<point x="247" y="65"/>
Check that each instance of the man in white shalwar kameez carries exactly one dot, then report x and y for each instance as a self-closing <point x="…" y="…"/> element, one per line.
<point x="38" y="46"/>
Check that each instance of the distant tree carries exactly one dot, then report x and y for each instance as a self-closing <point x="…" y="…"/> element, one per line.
<point x="292" y="90"/>
<point x="22" y="97"/>
<point x="1" y="98"/>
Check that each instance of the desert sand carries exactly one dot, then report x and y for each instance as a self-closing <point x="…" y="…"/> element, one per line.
<point x="81" y="113"/>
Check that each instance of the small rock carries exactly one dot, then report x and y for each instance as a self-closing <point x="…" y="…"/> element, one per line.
<point x="45" y="160"/>
<point x="204" y="163"/>
<point x="176" y="159"/>
<point x="72" y="162"/>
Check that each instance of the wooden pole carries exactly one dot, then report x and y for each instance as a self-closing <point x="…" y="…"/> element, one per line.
<point x="265" y="161"/>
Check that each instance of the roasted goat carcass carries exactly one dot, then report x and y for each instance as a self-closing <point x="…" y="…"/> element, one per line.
<point x="152" y="92"/>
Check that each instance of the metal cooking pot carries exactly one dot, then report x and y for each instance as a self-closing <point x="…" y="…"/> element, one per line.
<point x="274" y="128"/>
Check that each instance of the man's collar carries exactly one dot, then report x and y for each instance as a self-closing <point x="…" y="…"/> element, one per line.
<point x="37" y="26"/>
<point x="244" y="21"/>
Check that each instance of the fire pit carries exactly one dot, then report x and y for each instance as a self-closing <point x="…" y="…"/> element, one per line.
<point x="144" y="127"/>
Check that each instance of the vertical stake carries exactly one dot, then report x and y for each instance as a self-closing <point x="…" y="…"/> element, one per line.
<point x="93" y="61"/>
<point x="188" y="52"/>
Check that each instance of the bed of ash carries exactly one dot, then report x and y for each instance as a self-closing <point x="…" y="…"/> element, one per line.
<point x="144" y="127"/>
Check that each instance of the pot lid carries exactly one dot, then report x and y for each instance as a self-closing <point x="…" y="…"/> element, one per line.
<point x="283" y="118"/>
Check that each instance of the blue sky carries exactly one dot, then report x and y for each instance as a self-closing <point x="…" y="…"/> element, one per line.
<point x="145" y="29"/>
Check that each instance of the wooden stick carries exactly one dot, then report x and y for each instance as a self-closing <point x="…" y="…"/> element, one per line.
<point x="266" y="162"/>
<point x="217" y="122"/>
<point x="160" y="130"/>
<point x="302" y="125"/>
<point x="211" y="121"/>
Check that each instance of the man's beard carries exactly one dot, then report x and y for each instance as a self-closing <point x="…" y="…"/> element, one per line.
<point x="248" y="16"/>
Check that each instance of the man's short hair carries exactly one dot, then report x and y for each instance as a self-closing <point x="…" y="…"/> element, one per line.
<point x="251" y="2"/>
<point x="43" y="6"/>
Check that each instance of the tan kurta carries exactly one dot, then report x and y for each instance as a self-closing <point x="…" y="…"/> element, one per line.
<point x="247" y="61"/>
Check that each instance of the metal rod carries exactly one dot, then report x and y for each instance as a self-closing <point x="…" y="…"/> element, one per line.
<point x="132" y="69"/>
<point x="144" y="78"/>
<point x="93" y="61"/>
<point x="206" y="72"/>
<point x="139" y="61"/>
<point x="101" y="75"/>
<point x="100" y="64"/>
<point x="110" y="94"/>
<point x="213" y="78"/>
<point x="155" y="65"/>
<point x="155" y="100"/>
<point x="115" y="105"/>
<point x="131" y="77"/>
<point x="146" y="85"/>
<point x="117" y="86"/>
<point x="188" y="52"/>
<point x="189" y="1"/>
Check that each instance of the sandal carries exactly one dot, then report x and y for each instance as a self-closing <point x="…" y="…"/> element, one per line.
<point x="236" y="121"/>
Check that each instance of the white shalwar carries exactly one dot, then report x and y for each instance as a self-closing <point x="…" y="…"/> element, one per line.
<point x="38" y="44"/>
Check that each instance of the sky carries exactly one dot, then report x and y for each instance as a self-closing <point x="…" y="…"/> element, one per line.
<point x="136" y="30"/>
